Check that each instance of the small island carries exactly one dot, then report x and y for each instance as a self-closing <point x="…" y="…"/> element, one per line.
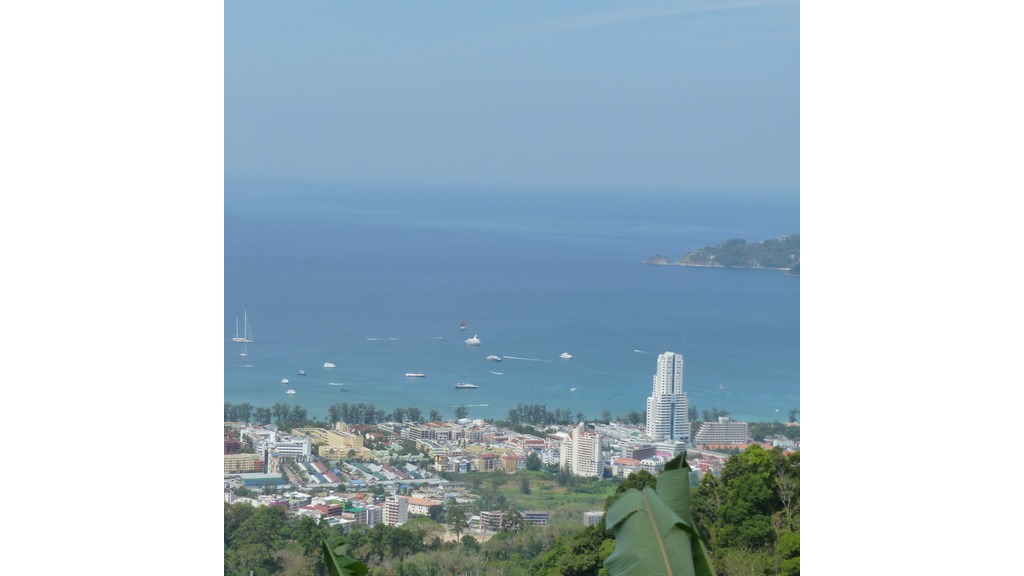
<point x="781" y="253"/>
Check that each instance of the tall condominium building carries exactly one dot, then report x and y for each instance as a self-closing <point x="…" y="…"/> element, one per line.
<point x="666" y="406"/>
<point x="581" y="452"/>
<point x="396" y="510"/>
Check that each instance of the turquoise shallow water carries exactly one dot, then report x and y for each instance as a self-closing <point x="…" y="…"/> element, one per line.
<point x="377" y="281"/>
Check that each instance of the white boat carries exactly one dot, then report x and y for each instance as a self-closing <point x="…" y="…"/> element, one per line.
<point x="284" y="380"/>
<point x="474" y="341"/>
<point x="415" y="375"/>
<point x="565" y="356"/>
<point x="246" y="335"/>
<point x="572" y="389"/>
<point x="464" y="385"/>
<point x="328" y="365"/>
<point x="494" y="358"/>
<point x="302" y="372"/>
<point x="290" y="392"/>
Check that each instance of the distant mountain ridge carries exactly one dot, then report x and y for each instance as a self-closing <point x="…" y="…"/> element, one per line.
<point x="781" y="253"/>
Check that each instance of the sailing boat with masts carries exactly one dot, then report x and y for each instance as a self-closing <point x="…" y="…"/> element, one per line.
<point x="246" y="336"/>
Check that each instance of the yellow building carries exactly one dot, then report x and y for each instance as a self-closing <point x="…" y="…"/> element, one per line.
<point x="235" y="463"/>
<point x="335" y="443"/>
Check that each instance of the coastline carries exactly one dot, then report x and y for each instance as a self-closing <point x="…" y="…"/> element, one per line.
<point x="711" y="265"/>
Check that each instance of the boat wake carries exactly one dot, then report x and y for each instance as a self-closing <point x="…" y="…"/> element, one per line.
<point x="336" y="383"/>
<point x="527" y="359"/>
<point x="640" y="351"/>
<point x="381" y="338"/>
<point x="498" y="373"/>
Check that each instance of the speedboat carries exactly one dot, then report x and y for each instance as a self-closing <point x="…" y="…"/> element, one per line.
<point x="328" y="365"/>
<point x="284" y="380"/>
<point x="466" y="385"/>
<point x="565" y="356"/>
<point x="290" y="392"/>
<point x="494" y="358"/>
<point x="302" y="372"/>
<point x="415" y="375"/>
<point x="474" y="341"/>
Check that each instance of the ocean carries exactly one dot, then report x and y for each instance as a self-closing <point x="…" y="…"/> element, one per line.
<point x="377" y="281"/>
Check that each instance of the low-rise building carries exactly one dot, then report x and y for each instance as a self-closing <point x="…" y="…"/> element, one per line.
<point x="491" y="520"/>
<point x="512" y="463"/>
<point x="420" y="505"/>
<point x="671" y="447"/>
<point x="725" y="432"/>
<point x="536" y="517"/>
<point x="653" y="464"/>
<point x="639" y="451"/>
<point x="486" y="462"/>
<point x="622" y="466"/>
<point x="235" y="463"/>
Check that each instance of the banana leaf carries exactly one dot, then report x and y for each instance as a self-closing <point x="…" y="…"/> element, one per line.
<point x="337" y="560"/>
<point x="654" y="532"/>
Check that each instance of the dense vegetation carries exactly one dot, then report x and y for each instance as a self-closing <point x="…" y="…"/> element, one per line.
<point x="782" y="253"/>
<point x="748" y="516"/>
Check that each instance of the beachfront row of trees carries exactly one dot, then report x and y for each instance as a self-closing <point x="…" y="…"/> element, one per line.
<point x="522" y="418"/>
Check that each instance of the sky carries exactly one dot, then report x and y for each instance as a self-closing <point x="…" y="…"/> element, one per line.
<point x="684" y="95"/>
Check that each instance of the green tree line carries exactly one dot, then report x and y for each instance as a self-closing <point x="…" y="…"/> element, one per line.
<point x="294" y="416"/>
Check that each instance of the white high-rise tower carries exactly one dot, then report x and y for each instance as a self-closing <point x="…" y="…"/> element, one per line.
<point x="581" y="452"/>
<point x="667" y="415"/>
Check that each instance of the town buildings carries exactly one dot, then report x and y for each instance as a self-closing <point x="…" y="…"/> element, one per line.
<point x="667" y="415"/>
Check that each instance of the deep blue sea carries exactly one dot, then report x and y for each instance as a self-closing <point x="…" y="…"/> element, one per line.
<point x="377" y="281"/>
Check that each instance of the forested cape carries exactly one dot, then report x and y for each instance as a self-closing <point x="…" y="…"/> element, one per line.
<point x="748" y="519"/>
<point x="781" y="253"/>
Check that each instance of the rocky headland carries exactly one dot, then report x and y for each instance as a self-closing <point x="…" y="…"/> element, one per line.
<point x="781" y="253"/>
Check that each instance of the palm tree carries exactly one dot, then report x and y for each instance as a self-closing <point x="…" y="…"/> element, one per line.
<point x="512" y="520"/>
<point x="456" y="517"/>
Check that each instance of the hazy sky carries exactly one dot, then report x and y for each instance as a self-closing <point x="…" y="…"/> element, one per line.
<point x="697" y="94"/>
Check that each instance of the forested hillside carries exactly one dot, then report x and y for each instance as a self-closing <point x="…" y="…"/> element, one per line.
<point x="782" y="253"/>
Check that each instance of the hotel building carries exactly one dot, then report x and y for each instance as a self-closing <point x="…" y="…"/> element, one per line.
<point x="581" y="452"/>
<point x="666" y="406"/>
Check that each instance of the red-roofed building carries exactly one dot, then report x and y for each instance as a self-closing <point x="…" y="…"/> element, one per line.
<point x="485" y="463"/>
<point x="511" y="463"/>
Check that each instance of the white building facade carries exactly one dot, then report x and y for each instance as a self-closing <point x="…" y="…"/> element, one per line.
<point x="581" y="452"/>
<point x="396" y="510"/>
<point x="667" y="414"/>
<point x="725" y="431"/>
